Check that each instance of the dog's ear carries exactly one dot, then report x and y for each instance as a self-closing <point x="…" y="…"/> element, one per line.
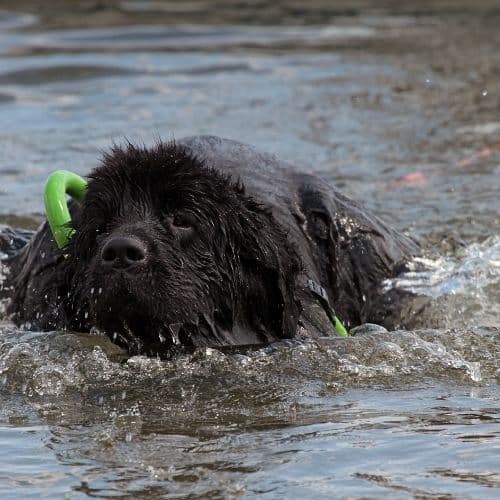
<point x="269" y="267"/>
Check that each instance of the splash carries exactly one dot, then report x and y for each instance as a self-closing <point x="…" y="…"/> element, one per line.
<point x="465" y="287"/>
<point x="45" y="365"/>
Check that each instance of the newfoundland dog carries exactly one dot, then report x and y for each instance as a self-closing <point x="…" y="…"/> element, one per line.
<point x="207" y="242"/>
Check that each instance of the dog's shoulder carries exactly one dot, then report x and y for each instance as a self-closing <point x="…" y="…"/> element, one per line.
<point x="34" y="272"/>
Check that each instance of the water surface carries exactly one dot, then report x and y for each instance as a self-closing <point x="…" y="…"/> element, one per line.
<point x="398" y="109"/>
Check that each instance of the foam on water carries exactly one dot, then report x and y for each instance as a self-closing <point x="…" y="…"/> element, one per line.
<point x="476" y="266"/>
<point x="46" y="365"/>
<point x="224" y="423"/>
<point x="465" y="287"/>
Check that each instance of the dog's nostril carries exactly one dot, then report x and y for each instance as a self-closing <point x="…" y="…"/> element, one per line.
<point x="108" y="254"/>
<point x="135" y="254"/>
<point x="123" y="252"/>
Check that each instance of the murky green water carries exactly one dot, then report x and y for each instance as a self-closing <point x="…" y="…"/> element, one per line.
<point x="399" y="109"/>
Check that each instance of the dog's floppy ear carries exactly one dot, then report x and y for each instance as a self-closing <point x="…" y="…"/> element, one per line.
<point x="269" y="267"/>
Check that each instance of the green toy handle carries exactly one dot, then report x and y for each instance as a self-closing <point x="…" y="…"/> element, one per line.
<point x="59" y="184"/>
<point x="341" y="329"/>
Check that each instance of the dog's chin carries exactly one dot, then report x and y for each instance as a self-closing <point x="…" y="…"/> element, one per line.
<point x="131" y="320"/>
<point x="138" y="332"/>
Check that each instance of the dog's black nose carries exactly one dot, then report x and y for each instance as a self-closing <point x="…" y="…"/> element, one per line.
<point x="122" y="252"/>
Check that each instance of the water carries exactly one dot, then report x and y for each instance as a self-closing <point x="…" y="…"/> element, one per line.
<point x="398" y="108"/>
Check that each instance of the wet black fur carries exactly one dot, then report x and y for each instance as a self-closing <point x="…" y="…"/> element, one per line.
<point x="236" y="273"/>
<point x="232" y="276"/>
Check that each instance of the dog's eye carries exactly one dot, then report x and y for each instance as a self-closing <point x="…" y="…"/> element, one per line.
<point x="183" y="220"/>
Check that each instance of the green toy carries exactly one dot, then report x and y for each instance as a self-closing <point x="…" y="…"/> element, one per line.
<point x="59" y="184"/>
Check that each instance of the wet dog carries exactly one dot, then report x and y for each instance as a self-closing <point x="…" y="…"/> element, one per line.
<point x="208" y="242"/>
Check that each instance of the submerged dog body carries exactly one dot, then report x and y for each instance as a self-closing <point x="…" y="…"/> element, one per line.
<point x="207" y="241"/>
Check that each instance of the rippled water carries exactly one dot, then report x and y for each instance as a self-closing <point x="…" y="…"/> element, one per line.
<point x="397" y="108"/>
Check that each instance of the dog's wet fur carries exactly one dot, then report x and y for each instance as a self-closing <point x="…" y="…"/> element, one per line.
<point x="204" y="243"/>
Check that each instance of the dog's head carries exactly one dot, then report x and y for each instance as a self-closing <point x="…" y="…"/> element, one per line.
<point x="167" y="250"/>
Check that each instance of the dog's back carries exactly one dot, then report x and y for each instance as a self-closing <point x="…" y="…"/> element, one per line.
<point x="344" y="248"/>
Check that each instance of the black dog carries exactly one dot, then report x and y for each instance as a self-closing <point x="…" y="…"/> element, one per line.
<point x="208" y="242"/>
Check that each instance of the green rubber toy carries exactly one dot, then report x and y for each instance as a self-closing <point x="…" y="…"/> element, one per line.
<point x="59" y="184"/>
<point x="340" y="328"/>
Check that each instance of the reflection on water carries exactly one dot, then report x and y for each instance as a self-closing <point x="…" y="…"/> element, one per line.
<point x="399" y="109"/>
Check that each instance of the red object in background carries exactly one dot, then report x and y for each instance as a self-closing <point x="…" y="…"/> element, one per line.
<point x="483" y="153"/>
<point x="419" y="179"/>
<point x="415" y="179"/>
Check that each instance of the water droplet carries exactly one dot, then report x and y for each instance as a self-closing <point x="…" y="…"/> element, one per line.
<point x="124" y="394"/>
<point x="128" y="437"/>
<point x="174" y="330"/>
<point x="92" y="291"/>
<point x="99" y="291"/>
<point x="86" y="315"/>
<point x="484" y="93"/>
<point x="162" y="338"/>
<point x="428" y="81"/>
<point x="115" y="335"/>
